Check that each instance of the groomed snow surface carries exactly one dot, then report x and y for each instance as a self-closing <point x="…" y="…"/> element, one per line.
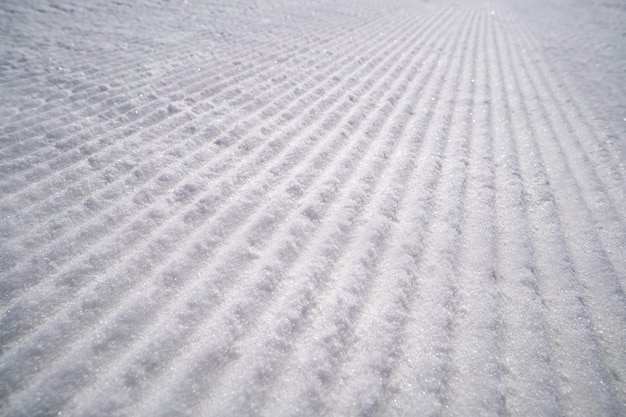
<point x="300" y="208"/>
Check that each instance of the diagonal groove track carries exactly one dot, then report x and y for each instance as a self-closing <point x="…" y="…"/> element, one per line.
<point x="275" y="272"/>
<point x="159" y="112"/>
<point x="605" y="284"/>
<point x="70" y="316"/>
<point x="537" y="181"/>
<point x="169" y="184"/>
<point x="336" y="207"/>
<point x="338" y="304"/>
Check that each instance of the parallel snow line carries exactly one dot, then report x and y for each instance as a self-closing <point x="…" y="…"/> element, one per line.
<point x="172" y="80"/>
<point x="99" y="162"/>
<point x="425" y="260"/>
<point x="161" y="111"/>
<point x="606" y="165"/>
<point x="82" y="62"/>
<point x="99" y="94"/>
<point x="571" y="331"/>
<point x="113" y="75"/>
<point x="535" y="181"/>
<point x="183" y="46"/>
<point x="86" y="157"/>
<point x="281" y="250"/>
<point x="80" y="197"/>
<point x="585" y="138"/>
<point x="606" y="205"/>
<point x="600" y="139"/>
<point x="177" y="76"/>
<point x="581" y="39"/>
<point x="369" y="364"/>
<point x="105" y="95"/>
<point x="48" y="209"/>
<point x="178" y="80"/>
<point x="523" y="334"/>
<point x="187" y="167"/>
<point x="126" y="237"/>
<point x="382" y="204"/>
<point x="590" y="261"/>
<point x="475" y="354"/>
<point x="601" y="136"/>
<point x="603" y="205"/>
<point x="559" y="168"/>
<point x="329" y="252"/>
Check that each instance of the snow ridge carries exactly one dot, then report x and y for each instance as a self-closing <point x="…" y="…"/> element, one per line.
<point x="338" y="208"/>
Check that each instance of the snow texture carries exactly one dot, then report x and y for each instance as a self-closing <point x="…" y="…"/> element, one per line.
<point x="326" y="207"/>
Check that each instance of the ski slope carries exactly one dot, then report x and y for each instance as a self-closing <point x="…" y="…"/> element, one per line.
<point x="331" y="207"/>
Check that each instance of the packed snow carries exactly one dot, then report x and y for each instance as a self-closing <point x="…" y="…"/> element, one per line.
<point x="331" y="207"/>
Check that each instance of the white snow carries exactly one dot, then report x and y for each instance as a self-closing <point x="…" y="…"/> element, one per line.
<point x="333" y="207"/>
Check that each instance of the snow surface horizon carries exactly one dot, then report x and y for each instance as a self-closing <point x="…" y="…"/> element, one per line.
<point x="333" y="207"/>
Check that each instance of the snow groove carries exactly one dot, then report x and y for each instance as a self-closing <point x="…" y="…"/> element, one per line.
<point x="604" y="200"/>
<point x="237" y="79"/>
<point x="313" y="213"/>
<point x="170" y="183"/>
<point x="152" y="192"/>
<point x="589" y="261"/>
<point x="434" y="234"/>
<point x="98" y="302"/>
<point x="555" y="260"/>
<point x="334" y="207"/>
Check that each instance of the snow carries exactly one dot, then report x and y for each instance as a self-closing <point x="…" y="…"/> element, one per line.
<point x="278" y="208"/>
